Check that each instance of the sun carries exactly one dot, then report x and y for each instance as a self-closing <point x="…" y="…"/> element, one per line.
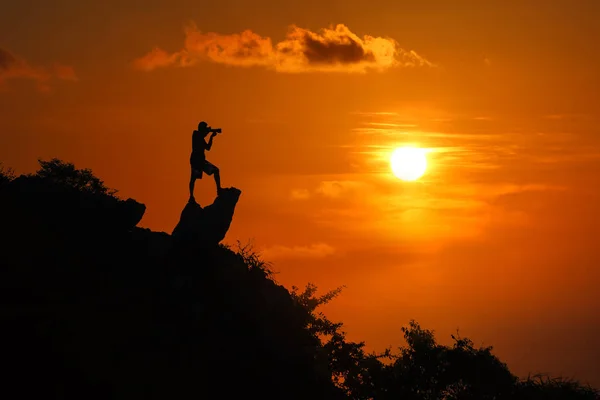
<point x="408" y="163"/>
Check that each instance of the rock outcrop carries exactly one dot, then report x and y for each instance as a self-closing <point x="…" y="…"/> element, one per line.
<point x="207" y="226"/>
<point x="62" y="207"/>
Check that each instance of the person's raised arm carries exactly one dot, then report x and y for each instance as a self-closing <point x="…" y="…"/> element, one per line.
<point x="210" y="141"/>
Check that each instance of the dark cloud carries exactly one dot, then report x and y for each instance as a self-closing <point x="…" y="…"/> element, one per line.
<point x="333" y="49"/>
<point x="345" y="51"/>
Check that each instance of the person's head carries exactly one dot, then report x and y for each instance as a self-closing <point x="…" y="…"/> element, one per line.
<point x="203" y="128"/>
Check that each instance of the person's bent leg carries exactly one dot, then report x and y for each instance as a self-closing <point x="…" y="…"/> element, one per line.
<point x="213" y="170"/>
<point x="217" y="179"/>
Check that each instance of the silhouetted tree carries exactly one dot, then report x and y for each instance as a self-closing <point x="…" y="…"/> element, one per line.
<point x="351" y="368"/>
<point x="427" y="370"/>
<point x="64" y="173"/>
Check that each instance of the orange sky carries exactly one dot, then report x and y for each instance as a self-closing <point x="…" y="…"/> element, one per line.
<point x="498" y="239"/>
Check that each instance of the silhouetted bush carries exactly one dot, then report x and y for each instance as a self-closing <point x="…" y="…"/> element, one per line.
<point x="6" y="175"/>
<point x="94" y="307"/>
<point x="60" y="173"/>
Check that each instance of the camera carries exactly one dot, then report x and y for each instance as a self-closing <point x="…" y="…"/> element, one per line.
<point x="215" y="130"/>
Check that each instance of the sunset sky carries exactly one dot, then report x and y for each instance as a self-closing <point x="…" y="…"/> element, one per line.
<point x="499" y="239"/>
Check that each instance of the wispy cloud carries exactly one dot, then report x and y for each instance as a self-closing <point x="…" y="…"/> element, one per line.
<point x="335" y="189"/>
<point x="300" y="194"/>
<point x="334" y="49"/>
<point x="13" y="67"/>
<point x="331" y="189"/>
<point x="391" y="125"/>
<point x="317" y="250"/>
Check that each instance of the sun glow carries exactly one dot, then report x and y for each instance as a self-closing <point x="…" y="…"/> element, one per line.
<point x="408" y="163"/>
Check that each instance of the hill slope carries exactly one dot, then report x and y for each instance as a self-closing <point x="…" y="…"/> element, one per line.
<point x="96" y="305"/>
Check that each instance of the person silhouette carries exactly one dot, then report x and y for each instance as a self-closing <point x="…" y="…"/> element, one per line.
<point x="199" y="163"/>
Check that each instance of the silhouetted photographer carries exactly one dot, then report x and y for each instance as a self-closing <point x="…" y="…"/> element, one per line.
<point x="198" y="160"/>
